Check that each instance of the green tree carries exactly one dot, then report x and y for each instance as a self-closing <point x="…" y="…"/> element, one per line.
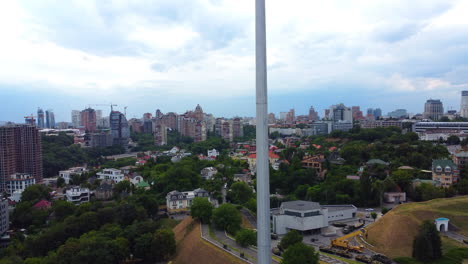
<point x="291" y="238"/>
<point x="227" y="217"/>
<point x="240" y="192"/>
<point x="143" y="248"/>
<point x="246" y="237"/>
<point x="427" y="245"/>
<point x="62" y="209"/>
<point x="374" y="215"/>
<point x="35" y="193"/>
<point x="453" y="140"/>
<point x="60" y="182"/>
<point x="202" y="209"/>
<point x="300" y="253"/>
<point x="163" y="244"/>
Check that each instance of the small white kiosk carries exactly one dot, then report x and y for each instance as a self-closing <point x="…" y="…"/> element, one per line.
<point x="441" y="224"/>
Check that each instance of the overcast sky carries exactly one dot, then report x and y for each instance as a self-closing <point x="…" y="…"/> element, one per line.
<point x="172" y="54"/>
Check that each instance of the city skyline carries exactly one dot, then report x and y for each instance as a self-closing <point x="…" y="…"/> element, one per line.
<point x="175" y="54"/>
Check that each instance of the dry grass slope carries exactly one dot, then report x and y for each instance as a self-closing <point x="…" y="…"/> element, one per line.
<point x="192" y="249"/>
<point x="393" y="234"/>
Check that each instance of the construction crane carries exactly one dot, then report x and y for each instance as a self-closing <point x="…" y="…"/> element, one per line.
<point x="30" y="119"/>
<point x="125" y="111"/>
<point x="111" y="105"/>
<point x="344" y="243"/>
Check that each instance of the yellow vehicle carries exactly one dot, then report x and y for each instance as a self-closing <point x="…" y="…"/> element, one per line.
<point x="344" y="243"/>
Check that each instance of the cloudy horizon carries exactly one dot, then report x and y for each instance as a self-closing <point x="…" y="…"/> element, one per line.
<point x="172" y="55"/>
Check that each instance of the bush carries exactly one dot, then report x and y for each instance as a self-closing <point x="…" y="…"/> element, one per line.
<point x="300" y="253"/>
<point x="291" y="238"/>
<point x="246" y="237"/>
<point x="427" y="245"/>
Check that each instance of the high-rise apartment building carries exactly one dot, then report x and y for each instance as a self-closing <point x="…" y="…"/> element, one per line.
<point x="20" y="152"/>
<point x="119" y="128"/>
<point x="76" y="118"/>
<point x="88" y="119"/>
<point x="40" y="118"/>
<point x="433" y="109"/>
<point x="237" y="128"/>
<point x="147" y="116"/>
<point x="464" y="104"/>
<point x="160" y="134"/>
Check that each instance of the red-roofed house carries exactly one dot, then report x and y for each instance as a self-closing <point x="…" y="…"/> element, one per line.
<point x="252" y="159"/>
<point x="42" y="204"/>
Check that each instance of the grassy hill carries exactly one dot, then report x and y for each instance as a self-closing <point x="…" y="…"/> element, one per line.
<point x="393" y="234"/>
<point x="192" y="249"/>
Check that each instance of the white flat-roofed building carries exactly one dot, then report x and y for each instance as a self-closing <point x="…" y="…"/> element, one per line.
<point x="68" y="174"/>
<point x="111" y="174"/>
<point x="77" y="195"/>
<point x="19" y="182"/>
<point x="340" y="212"/>
<point x="305" y="216"/>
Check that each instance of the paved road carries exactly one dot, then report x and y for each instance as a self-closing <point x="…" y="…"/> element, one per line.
<point x="455" y="236"/>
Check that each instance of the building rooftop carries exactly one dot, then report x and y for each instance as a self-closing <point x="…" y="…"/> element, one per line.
<point x="300" y="205"/>
<point x="340" y="207"/>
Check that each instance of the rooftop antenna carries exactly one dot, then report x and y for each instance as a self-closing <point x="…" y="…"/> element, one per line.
<point x="263" y="181"/>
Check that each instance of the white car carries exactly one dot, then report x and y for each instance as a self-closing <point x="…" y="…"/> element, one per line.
<point x="369" y="209"/>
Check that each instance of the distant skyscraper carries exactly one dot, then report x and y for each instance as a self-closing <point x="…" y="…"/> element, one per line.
<point x="88" y="119"/>
<point x="20" y="152"/>
<point x="198" y="113"/>
<point x="40" y="118"/>
<point x="50" y="118"/>
<point x="313" y="115"/>
<point x="357" y="113"/>
<point x="98" y="115"/>
<point x="340" y="113"/>
<point x="377" y="113"/>
<point x="433" y="109"/>
<point x="119" y="128"/>
<point x="271" y="118"/>
<point x="399" y="113"/>
<point x="76" y="118"/>
<point x="290" y="117"/>
<point x="464" y="104"/>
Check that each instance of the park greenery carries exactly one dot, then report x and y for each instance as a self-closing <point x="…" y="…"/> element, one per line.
<point x="59" y="153"/>
<point x="92" y="232"/>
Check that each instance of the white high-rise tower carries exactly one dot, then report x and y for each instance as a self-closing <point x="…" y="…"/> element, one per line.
<point x="464" y="104"/>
